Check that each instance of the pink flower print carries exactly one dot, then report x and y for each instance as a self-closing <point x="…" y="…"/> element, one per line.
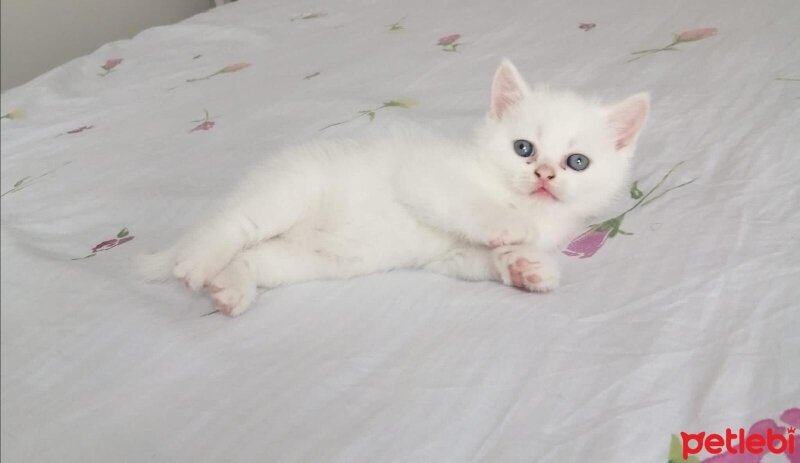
<point x="590" y="241"/>
<point x="122" y="237"/>
<point x="587" y="26"/>
<point x="587" y="244"/>
<point x="205" y="124"/>
<point x="112" y="243"/>
<point x="449" y="42"/>
<point x="107" y="244"/>
<point x="791" y="417"/>
<point x="686" y="36"/>
<point x="109" y="66"/>
<point x="111" y="63"/>
<point x="236" y="67"/>
<point x="696" y="34"/>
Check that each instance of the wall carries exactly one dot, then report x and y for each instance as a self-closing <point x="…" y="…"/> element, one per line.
<point x="38" y="35"/>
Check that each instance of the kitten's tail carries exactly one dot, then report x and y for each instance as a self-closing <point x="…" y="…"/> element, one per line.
<point x="156" y="266"/>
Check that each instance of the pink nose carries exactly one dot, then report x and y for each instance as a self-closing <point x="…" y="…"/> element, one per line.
<point x="545" y="172"/>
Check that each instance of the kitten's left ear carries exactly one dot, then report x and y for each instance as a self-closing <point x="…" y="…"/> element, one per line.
<point x="627" y="119"/>
<point x="508" y="88"/>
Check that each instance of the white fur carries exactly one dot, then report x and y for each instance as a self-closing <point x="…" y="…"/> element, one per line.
<point x="337" y="209"/>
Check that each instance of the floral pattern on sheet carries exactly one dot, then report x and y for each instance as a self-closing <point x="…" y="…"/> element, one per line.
<point x="406" y="103"/>
<point x="791" y="417"/>
<point x="205" y="124"/>
<point x="305" y="16"/>
<point x="28" y="180"/>
<point x="109" y="66"/>
<point x="123" y="236"/>
<point x="449" y="42"/>
<point x="14" y="114"/>
<point x="676" y="454"/>
<point x="236" y="67"/>
<point x="589" y="242"/>
<point x="684" y="37"/>
<point x="396" y="26"/>
<point x="78" y="130"/>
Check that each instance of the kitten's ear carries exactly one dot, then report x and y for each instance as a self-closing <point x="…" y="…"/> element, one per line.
<point x="627" y="119"/>
<point x="508" y="88"/>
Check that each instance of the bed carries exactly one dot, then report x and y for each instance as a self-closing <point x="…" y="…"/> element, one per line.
<point x="679" y="315"/>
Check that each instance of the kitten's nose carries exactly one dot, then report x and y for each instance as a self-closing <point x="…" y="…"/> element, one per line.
<point x="545" y="172"/>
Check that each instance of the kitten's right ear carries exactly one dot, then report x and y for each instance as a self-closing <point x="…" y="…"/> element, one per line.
<point x="508" y="88"/>
<point x="627" y="119"/>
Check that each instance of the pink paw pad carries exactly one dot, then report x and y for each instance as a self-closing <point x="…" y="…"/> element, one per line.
<point x="533" y="279"/>
<point x="519" y="277"/>
<point x="224" y="308"/>
<point x="516" y="278"/>
<point x="522" y="262"/>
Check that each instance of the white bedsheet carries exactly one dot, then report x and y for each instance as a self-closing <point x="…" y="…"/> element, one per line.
<point x="691" y="323"/>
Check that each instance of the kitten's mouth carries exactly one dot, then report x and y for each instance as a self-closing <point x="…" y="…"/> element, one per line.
<point x="543" y="192"/>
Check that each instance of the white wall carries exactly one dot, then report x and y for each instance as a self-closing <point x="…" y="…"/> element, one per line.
<point x="38" y="35"/>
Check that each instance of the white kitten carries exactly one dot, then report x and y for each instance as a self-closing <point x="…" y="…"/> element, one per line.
<point x="493" y="207"/>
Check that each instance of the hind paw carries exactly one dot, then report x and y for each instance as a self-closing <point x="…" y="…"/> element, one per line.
<point x="233" y="289"/>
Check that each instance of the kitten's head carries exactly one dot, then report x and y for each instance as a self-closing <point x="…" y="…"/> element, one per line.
<point x="558" y="148"/>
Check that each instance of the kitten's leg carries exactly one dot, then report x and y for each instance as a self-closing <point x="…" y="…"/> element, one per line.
<point x="234" y="288"/>
<point x="253" y="214"/>
<point x="271" y="263"/>
<point x="489" y="225"/>
<point x="475" y="217"/>
<point x="525" y="267"/>
<point x="207" y="249"/>
<point x="468" y="263"/>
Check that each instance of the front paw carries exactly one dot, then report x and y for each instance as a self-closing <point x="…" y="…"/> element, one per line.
<point x="197" y="265"/>
<point x="511" y="235"/>
<point x="524" y="269"/>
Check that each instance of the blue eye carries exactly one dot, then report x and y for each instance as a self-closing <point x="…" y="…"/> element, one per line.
<point x="524" y="148"/>
<point x="577" y="161"/>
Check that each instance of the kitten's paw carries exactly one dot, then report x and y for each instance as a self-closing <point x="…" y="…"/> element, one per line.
<point x="507" y="236"/>
<point x="197" y="266"/>
<point x="523" y="269"/>
<point x="233" y="289"/>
